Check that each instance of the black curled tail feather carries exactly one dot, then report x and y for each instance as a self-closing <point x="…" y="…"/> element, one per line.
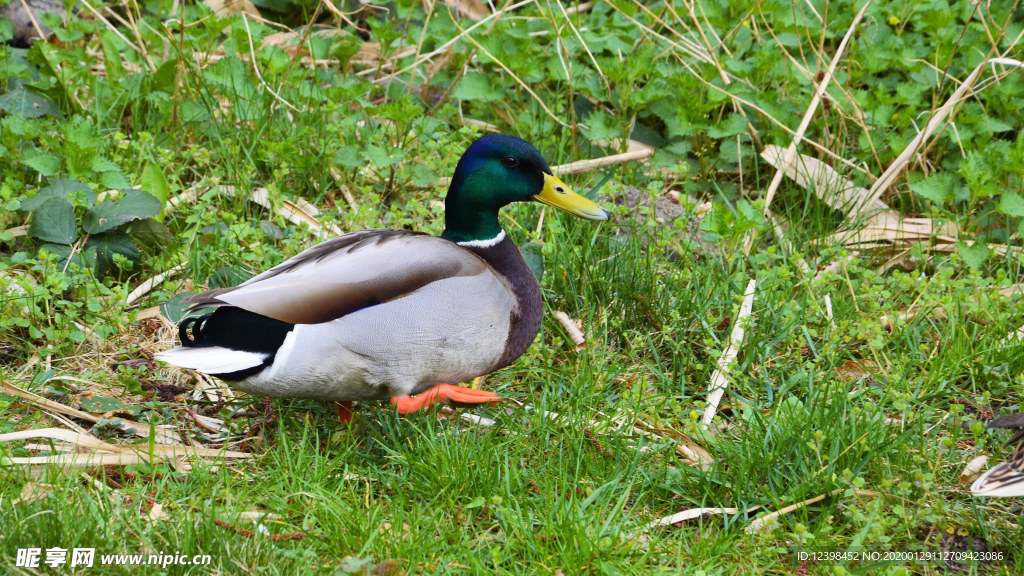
<point x="236" y="329"/>
<point x="196" y="324"/>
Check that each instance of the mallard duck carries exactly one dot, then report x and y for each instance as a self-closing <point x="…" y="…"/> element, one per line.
<point x="382" y="314"/>
<point x="1007" y="478"/>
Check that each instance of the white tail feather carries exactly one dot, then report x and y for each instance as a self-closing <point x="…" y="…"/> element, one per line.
<point x="212" y="359"/>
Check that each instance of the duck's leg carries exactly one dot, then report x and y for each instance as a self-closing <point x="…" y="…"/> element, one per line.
<point x="443" y="393"/>
<point x="344" y="409"/>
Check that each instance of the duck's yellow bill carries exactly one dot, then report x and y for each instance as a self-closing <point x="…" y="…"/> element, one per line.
<point x="557" y="194"/>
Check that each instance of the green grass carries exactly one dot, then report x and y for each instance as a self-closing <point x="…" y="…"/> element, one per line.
<point x="881" y="421"/>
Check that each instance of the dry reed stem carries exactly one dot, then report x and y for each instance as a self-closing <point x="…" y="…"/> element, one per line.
<point x="1013" y="290"/>
<point x="824" y="181"/>
<point x="206" y="386"/>
<point x="858" y="114"/>
<point x="593" y="60"/>
<point x="128" y="5"/>
<point x="693" y="513"/>
<point x="779" y="232"/>
<point x="474" y="9"/>
<point x="726" y="79"/>
<point x="581" y="166"/>
<point x="32" y="18"/>
<point x="345" y="192"/>
<point x="110" y="26"/>
<point x="256" y="68"/>
<point x="344" y="16"/>
<point x="298" y="211"/>
<point x="811" y="109"/>
<point x="17" y="231"/>
<point x="77" y="441"/>
<point x="485" y="126"/>
<point x="685" y="44"/>
<point x="889" y="229"/>
<point x="762" y="523"/>
<point x="161" y="435"/>
<point x="720" y="378"/>
<point x="973" y="469"/>
<point x="572" y="329"/>
<point x="147" y="286"/>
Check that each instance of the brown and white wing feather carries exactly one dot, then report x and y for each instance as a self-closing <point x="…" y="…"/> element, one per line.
<point x="345" y="274"/>
<point x="1006" y="478"/>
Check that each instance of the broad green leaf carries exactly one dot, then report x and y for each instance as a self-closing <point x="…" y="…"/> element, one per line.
<point x="975" y="255"/>
<point x="227" y="277"/>
<point x="49" y="61"/>
<point x="131" y="205"/>
<point x="27" y="104"/>
<point x="996" y="125"/>
<point x="106" y="245"/>
<point x="6" y="30"/>
<point x="54" y="221"/>
<point x="63" y="252"/>
<point x="1011" y="204"/>
<point x="272" y="230"/>
<point x="228" y="73"/>
<point x="175" y="308"/>
<point x="476" y="503"/>
<point x="353" y="565"/>
<point x="478" y="87"/>
<point x="719" y="221"/>
<point x="112" y="47"/>
<point x="46" y="163"/>
<point x="60" y="188"/>
<point x="101" y="404"/>
<point x="534" y="259"/>
<point x="423" y="176"/>
<point x="938" y="188"/>
<point x="603" y="126"/>
<point x="102" y="164"/>
<point x="153" y="181"/>
<point x="348" y="156"/>
<point x="165" y="77"/>
<point x="151" y="232"/>
<point x="381" y="157"/>
<point x="750" y="217"/>
<point x="114" y="180"/>
<point x="733" y="125"/>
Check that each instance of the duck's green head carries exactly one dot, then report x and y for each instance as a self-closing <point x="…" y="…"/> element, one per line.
<point x="499" y="169"/>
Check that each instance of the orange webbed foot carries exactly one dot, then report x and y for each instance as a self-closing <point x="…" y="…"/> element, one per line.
<point x="443" y="393"/>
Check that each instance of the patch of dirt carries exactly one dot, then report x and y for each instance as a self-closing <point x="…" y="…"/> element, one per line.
<point x="667" y="208"/>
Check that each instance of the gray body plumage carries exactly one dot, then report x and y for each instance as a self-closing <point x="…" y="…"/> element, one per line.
<point x="377" y="314"/>
<point x="443" y="332"/>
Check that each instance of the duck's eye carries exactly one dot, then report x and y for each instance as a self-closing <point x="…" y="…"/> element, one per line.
<point x="510" y="161"/>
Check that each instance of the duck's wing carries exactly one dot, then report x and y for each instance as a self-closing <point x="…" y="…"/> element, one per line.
<point x="345" y="274"/>
<point x="1006" y="478"/>
<point x="1011" y="421"/>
